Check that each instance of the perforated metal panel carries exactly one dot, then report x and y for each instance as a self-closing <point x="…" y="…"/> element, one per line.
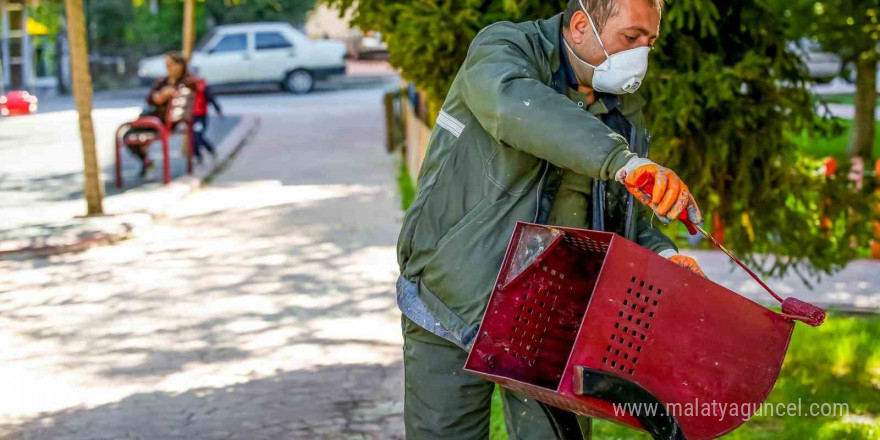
<point x="633" y="325"/>
<point x="586" y="244"/>
<point x="536" y="309"/>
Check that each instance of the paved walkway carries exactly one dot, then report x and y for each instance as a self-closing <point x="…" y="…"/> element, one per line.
<point x="847" y="111"/>
<point x="855" y="288"/>
<point x="261" y="309"/>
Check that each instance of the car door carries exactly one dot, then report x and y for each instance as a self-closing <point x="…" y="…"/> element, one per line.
<point x="227" y="60"/>
<point x="274" y="56"/>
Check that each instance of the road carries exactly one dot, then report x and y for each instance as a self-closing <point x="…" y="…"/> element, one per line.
<point x="262" y="308"/>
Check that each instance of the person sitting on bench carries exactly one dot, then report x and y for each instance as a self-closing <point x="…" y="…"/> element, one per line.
<point x="158" y="99"/>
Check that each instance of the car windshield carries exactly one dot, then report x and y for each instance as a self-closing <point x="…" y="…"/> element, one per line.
<point x="200" y="47"/>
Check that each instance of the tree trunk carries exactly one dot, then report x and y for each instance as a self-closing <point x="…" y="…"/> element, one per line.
<point x="188" y="36"/>
<point x="82" y="95"/>
<point x="866" y="98"/>
<point x="188" y="27"/>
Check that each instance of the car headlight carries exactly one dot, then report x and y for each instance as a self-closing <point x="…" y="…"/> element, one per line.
<point x="2" y="100"/>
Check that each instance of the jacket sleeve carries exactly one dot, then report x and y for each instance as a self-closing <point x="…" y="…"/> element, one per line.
<point x="503" y="89"/>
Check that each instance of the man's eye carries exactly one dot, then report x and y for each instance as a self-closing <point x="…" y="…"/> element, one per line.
<point x="631" y="39"/>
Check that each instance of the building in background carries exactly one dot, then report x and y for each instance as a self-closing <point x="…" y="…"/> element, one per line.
<point x="325" y="22"/>
<point x="16" y="49"/>
<point x="28" y="49"/>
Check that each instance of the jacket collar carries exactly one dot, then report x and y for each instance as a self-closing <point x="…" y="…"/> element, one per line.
<point x="551" y="32"/>
<point x="551" y="29"/>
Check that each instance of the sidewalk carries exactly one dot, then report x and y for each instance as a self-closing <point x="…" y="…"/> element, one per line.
<point x="847" y="111"/>
<point x="260" y="308"/>
<point x="855" y="288"/>
<point x="43" y="208"/>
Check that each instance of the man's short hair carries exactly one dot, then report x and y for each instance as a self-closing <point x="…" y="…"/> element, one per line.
<point x="600" y="10"/>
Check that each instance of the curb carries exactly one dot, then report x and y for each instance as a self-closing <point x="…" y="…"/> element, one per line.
<point x="129" y="212"/>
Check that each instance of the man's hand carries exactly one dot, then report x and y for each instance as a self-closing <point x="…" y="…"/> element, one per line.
<point x="687" y="263"/>
<point x="670" y="195"/>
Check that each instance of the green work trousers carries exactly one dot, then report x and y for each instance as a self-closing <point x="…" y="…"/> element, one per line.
<point x="444" y="402"/>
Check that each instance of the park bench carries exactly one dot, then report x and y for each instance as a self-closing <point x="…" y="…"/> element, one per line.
<point x="178" y="119"/>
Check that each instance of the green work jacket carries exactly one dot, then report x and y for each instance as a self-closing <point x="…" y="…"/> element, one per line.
<point x="508" y="127"/>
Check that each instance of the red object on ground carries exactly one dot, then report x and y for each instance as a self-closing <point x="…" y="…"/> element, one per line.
<point x="570" y="300"/>
<point x="830" y="166"/>
<point x="18" y="103"/>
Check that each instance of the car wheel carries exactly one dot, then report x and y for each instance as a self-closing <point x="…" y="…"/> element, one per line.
<point x="299" y="82"/>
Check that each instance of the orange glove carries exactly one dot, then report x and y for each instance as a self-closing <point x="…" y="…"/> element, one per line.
<point x="670" y="197"/>
<point x="687" y="263"/>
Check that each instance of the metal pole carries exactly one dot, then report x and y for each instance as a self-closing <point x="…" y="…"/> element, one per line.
<point x="82" y="95"/>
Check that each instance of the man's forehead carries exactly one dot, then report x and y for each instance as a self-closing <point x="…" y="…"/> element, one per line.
<point x="637" y="15"/>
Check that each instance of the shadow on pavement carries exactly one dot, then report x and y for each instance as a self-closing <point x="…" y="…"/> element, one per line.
<point x="254" y="409"/>
<point x="262" y="282"/>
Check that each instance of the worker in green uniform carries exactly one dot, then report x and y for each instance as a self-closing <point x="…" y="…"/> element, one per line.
<point x="541" y="124"/>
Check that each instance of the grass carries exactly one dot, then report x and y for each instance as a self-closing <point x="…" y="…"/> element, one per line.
<point x="405" y="186"/>
<point x="838" y="362"/>
<point x="832" y="146"/>
<point x="843" y="98"/>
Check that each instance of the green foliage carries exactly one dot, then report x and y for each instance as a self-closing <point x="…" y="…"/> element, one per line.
<point x="838" y="362"/>
<point x="723" y="93"/>
<point x="851" y="29"/>
<point x="845" y="27"/>
<point x="48" y="13"/>
<point x="243" y="11"/>
<point x="150" y="33"/>
<point x="429" y="39"/>
<point x="132" y="28"/>
<point x="721" y="100"/>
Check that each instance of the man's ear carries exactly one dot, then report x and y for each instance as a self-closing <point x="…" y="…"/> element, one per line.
<point x="579" y="27"/>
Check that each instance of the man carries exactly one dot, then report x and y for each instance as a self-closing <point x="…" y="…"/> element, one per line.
<point x="534" y="128"/>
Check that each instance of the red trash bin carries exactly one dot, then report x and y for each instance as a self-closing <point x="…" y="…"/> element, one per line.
<point x="585" y="320"/>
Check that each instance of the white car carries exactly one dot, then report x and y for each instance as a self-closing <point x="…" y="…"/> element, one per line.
<point x="258" y="53"/>
<point x="821" y="66"/>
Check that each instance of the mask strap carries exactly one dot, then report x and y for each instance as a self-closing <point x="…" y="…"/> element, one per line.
<point x="576" y="56"/>
<point x="595" y="31"/>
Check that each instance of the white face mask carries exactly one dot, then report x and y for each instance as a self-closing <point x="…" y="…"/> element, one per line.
<point x="620" y="73"/>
